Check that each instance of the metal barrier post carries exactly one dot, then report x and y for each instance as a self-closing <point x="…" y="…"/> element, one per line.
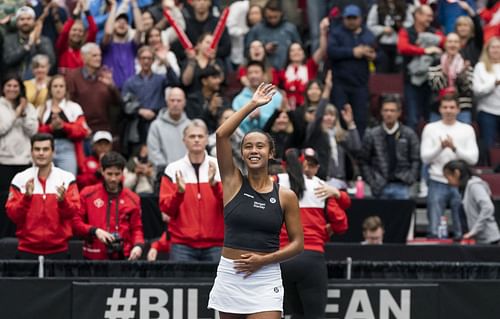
<point x="41" y="267"/>
<point x="349" y="268"/>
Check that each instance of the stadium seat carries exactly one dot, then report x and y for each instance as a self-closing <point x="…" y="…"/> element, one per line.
<point x="495" y="156"/>
<point x="384" y="83"/>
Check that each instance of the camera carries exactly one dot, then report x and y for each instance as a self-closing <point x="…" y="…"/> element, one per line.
<point x="115" y="248"/>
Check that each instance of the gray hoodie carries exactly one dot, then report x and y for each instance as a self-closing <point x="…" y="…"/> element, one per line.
<point x="165" y="143"/>
<point x="480" y="211"/>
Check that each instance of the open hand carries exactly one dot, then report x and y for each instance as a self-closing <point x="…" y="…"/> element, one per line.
<point x="325" y="191"/>
<point x="249" y="263"/>
<point x="30" y="187"/>
<point x="179" y="180"/>
<point x="263" y="94"/>
<point x="212" y="170"/>
<point x="61" y="191"/>
<point x="135" y="253"/>
<point x="347" y="115"/>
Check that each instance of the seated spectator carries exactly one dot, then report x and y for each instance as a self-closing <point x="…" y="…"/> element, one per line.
<point x="139" y="173"/>
<point x="452" y="72"/>
<point x="65" y="120"/>
<point x="476" y="200"/>
<point x="470" y="31"/>
<point x="42" y="202"/>
<point x="417" y="91"/>
<point x="373" y="231"/>
<point x="207" y="103"/>
<point x="236" y="139"/>
<point x="146" y="92"/>
<point x="450" y="11"/>
<point x="390" y="155"/>
<point x="37" y="88"/>
<point x="257" y="52"/>
<point x="166" y="132"/>
<point x="442" y="142"/>
<point x="21" y="46"/>
<point x="351" y="48"/>
<point x="164" y="59"/>
<point x="92" y="88"/>
<point x="197" y="60"/>
<point x="117" y="236"/>
<point x="385" y="19"/>
<point x="258" y="118"/>
<point x="18" y="122"/>
<point x="191" y="195"/>
<point x="118" y="52"/>
<point x="90" y="172"/>
<point x="73" y="36"/>
<point x="486" y="83"/>
<point x="299" y="71"/>
<point x="275" y="33"/>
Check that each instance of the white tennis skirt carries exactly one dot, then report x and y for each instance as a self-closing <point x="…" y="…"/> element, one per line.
<point x="232" y="293"/>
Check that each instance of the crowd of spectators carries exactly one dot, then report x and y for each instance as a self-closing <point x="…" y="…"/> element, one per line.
<point x="103" y="75"/>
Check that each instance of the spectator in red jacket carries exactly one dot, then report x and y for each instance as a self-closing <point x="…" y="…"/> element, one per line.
<point x="73" y="36"/>
<point x="191" y="195"/>
<point x="64" y="119"/>
<point x="110" y="215"/>
<point x="322" y="210"/>
<point x="42" y="201"/>
<point x="90" y="173"/>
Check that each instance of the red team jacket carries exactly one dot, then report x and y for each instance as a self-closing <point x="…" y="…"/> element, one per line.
<point x="314" y="219"/>
<point x="43" y="224"/>
<point x="97" y="207"/>
<point x="196" y="216"/>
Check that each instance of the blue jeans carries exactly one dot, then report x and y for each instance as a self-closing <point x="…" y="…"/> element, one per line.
<point x="441" y="194"/>
<point x="464" y="117"/>
<point x="395" y="191"/>
<point x="488" y="125"/>
<point x="417" y="103"/>
<point x="65" y="156"/>
<point x="184" y="253"/>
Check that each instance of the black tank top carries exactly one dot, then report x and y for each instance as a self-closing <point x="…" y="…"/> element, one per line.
<point x="252" y="220"/>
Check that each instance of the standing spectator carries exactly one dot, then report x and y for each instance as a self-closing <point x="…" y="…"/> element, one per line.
<point x="316" y="11"/>
<point x="37" y="88"/>
<point x="351" y="47"/>
<point x="390" y="156"/>
<point x="90" y="172"/>
<point x="299" y="71"/>
<point x="21" y="46"/>
<point x="200" y="22"/>
<point x="43" y="199"/>
<point x="470" y="31"/>
<point x="18" y="122"/>
<point x="442" y="142"/>
<point x="385" y="19"/>
<point x="110" y="216"/>
<point x="476" y="200"/>
<point x="197" y="60"/>
<point x="73" y="36"/>
<point x="258" y="118"/>
<point x="52" y="17"/>
<point x="487" y="91"/>
<point x="275" y="33"/>
<point x="118" y="52"/>
<point x="449" y="11"/>
<point x="164" y="59"/>
<point x="208" y="102"/>
<point x="238" y="27"/>
<point x="417" y="96"/>
<point x="65" y="120"/>
<point x="146" y="89"/>
<point x="322" y="210"/>
<point x="191" y="195"/>
<point x="452" y="72"/>
<point x="373" y="231"/>
<point x="257" y="52"/>
<point x="166" y="132"/>
<point x="92" y="88"/>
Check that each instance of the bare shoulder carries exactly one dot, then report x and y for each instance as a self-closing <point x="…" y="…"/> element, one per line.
<point x="287" y="197"/>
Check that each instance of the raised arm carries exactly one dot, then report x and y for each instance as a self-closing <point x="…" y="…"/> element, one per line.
<point x="230" y="175"/>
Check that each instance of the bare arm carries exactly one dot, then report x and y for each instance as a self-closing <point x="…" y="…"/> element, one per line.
<point x="139" y="28"/>
<point x="320" y="52"/>
<point x="230" y="175"/>
<point x="108" y="27"/>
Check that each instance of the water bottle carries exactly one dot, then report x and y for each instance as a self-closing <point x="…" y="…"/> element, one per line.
<point x="360" y="188"/>
<point x="443" y="228"/>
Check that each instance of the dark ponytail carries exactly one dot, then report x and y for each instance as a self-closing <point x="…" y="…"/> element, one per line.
<point x="294" y="171"/>
<point x="464" y="169"/>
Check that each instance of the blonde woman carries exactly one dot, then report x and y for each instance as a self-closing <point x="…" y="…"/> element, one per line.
<point x="487" y="91"/>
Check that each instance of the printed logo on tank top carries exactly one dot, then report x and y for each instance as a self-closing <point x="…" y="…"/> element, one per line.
<point x="259" y="205"/>
<point x="272" y="200"/>
<point x="248" y="195"/>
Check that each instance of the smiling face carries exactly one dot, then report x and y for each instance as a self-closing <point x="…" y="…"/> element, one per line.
<point x="452" y="44"/>
<point x="11" y="90"/>
<point x="314" y="93"/>
<point x="296" y="53"/>
<point x="154" y="38"/>
<point x="77" y="32"/>
<point x="256" y="150"/>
